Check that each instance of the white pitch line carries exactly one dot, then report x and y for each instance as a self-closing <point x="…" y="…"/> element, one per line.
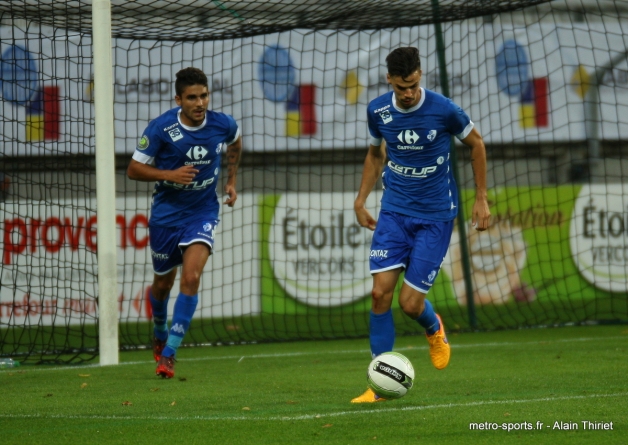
<point x="315" y="416"/>
<point x="340" y="352"/>
<point x="455" y="405"/>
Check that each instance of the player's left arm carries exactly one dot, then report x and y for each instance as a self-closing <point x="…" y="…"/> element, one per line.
<point x="234" y="153"/>
<point x="481" y="213"/>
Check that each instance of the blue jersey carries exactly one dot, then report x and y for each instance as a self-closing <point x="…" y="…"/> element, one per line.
<point x="170" y="145"/>
<point x="417" y="178"/>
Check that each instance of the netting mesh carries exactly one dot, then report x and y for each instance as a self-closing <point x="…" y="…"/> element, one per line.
<point x="218" y="20"/>
<point x="290" y="261"/>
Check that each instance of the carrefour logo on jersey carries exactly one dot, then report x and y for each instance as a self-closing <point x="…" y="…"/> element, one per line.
<point x="197" y="152"/>
<point x="408" y="137"/>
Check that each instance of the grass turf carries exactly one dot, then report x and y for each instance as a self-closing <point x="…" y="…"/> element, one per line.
<point x="298" y="393"/>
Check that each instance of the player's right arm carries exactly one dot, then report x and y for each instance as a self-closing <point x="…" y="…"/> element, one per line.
<point x="373" y="166"/>
<point x="145" y="172"/>
<point x="141" y="167"/>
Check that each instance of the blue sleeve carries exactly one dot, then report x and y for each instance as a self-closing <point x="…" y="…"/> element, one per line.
<point x="232" y="130"/>
<point x="456" y="120"/>
<point x="150" y="142"/>
<point x="373" y="128"/>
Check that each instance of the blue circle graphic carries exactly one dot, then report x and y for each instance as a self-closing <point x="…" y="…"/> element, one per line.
<point x="18" y="75"/>
<point x="277" y="74"/>
<point x="511" y="63"/>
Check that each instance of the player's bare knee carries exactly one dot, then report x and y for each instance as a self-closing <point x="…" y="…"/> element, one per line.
<point x="380" y="300"/>
<point x="190" y="282"/>
<point x="161" y="288"/>
<point x="377" y="294"/>
<point x="412" y="307"/>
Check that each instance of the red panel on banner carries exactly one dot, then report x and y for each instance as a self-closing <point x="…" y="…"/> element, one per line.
<point x="541" y="95"/>
<point x="52" y="113"/>
<point x="307" y="113"/>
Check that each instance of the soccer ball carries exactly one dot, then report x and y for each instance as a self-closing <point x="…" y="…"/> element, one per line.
<point x="390" y="375"/>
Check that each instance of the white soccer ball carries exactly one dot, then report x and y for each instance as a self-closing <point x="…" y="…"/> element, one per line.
<point x="390" y="375"/>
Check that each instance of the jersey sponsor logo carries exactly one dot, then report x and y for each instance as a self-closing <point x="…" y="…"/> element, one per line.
<point x="411" y="172"/>
<point x="178" y="328"/>
<point x="440" y="160"/>
<point x="386" y="116"/>
<point x="198" y="162"/>
<point x="170" y="127"/>
<point x="408" y="137"/>
<point x="143" y="143"/>
<point x="379" y="253"/>
<point x="379" y="110"/>
<point x="196" y="185"/>
<point x="207" y="227"/>
<point x="159" y="256"/>
<point x="409" y="147"/>
<point x="431" y="135"/>
<point x="197" y="152"/>
<point x="175" y="134"/>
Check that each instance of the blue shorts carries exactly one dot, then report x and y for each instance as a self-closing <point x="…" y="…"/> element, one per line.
<point x="416" y="244"/>
<point x="168" y="243"/>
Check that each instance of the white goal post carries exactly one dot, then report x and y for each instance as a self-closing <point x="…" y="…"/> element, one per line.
<point x="105" y="176"/>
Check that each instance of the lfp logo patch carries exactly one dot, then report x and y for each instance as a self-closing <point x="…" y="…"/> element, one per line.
<point x="143" y="143"/>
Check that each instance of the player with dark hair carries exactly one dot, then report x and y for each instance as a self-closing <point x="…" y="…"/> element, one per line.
<point x="411" y="128"/>
<point x="180" y="150"/>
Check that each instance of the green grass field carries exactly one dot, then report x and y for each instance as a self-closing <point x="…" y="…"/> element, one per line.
<point x="298" y="393"/>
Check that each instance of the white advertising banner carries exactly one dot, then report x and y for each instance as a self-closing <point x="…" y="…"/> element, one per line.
<point x="318" y="252"/>
<point x="309" y="90"/>
<point x="307" y="248"/>
<point x="599" y="235"/>
<point x="49" y="262"/>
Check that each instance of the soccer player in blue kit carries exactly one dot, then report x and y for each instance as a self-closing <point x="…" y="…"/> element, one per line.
<point x="181" y="151"/>
<point x="419" y="203"/>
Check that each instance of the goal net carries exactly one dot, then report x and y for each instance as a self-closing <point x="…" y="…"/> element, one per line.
<point x="545" y="84"/>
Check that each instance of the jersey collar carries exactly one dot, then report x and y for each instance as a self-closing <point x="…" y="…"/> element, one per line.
<point x="409" y="110"/>
<point x="191" y="128"/>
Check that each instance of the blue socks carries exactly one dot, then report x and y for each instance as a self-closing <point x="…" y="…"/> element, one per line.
<point x="428" y="319"/>
<point x="160" y="316"/>
<point x="184" y="309"/>
<point x="381" y="333"/>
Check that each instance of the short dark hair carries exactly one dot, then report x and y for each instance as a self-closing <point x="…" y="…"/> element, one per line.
<point x="188" y="77"/>
<point x="403" y="61"/>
